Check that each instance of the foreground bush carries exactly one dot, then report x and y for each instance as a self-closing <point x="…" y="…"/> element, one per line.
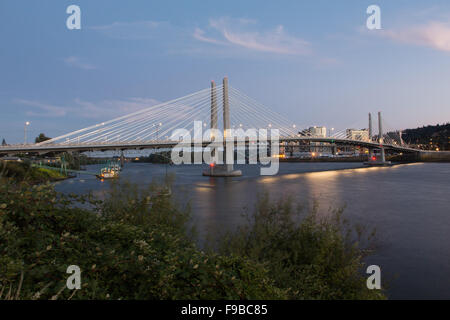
<point x="133" y="245"/>
<point x="308" y="255"/>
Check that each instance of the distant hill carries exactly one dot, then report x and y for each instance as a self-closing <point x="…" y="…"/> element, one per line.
<point x="429" y="137"/>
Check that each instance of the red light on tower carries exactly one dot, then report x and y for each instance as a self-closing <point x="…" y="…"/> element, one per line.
<point x="212" y="164"/>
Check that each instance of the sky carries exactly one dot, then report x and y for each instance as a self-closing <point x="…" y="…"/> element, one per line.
<point x="314" y="62"/>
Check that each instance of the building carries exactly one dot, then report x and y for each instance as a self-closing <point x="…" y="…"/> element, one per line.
<point x="320" y="132"/>
<point x="11" y="159"/>
<point x="318" y="147"/>
<point x="361" y="135"/>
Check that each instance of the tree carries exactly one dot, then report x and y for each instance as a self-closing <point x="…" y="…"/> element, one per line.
<point x="4" y="142"/>
<point x="41" y="138"/>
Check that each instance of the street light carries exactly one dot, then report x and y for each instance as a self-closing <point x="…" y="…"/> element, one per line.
<point x="25" y="132"/>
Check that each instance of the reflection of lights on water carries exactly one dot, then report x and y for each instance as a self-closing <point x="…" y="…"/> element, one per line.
<point x="269" y="179"/>
<point x="322" y="174"/>
<point x="204" y="189"/>
<point x="411" y="164"/>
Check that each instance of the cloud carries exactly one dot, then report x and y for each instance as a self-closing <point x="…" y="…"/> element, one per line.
<point x="47" y="110"/>
<point x="112" y="108"/>
<point x="76" y="62"/>
<point x="433" y="34"/>
<point x="237" y="32"/>
<point x="87" y="109"/>
<point x="199" y="34"/>
<point x="136" y="30"/>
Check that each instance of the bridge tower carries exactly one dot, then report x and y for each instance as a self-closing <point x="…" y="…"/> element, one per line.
<point x="380" y="138"/>
<point x="213" y="124"/>
<point x="370" y="136"/>
<point x="213" y="108"/>
<point x="381" y="161"/>
<point x="227" y="169"/>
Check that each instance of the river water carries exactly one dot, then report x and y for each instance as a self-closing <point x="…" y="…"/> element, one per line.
<point x="409" y="205"/>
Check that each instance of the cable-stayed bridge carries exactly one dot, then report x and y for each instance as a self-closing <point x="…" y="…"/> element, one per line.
<point x="152" y="127"/>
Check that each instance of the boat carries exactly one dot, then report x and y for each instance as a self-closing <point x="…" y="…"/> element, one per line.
<point x="108" y="173"/>
<point x="116" y="167"/>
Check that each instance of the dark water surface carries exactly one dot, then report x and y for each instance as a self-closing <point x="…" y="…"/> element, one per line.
<point x="409" y="205"/>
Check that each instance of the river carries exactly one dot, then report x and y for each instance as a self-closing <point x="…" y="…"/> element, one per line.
<point x="409" y="205"/>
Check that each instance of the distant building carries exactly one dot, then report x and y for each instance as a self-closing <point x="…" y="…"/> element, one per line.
<point x="47" y="160"/>
<point x="361" y="135"/>
<point x="8" y="159"/>
<point x="319" y="132"/>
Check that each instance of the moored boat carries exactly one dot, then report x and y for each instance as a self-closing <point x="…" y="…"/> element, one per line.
<point x="108" y="173"/>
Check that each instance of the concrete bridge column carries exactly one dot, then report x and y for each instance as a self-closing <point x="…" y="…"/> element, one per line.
<point x="382" y="159"/>
<point x="380" y="138"/>
<point x="333" y="149"/>
<point x="226" y="123"/>
<point x="122" y="159"/>
<point x="214" y="152"/>
<point x="370" y="137"/>
<point x="227" y="169"/>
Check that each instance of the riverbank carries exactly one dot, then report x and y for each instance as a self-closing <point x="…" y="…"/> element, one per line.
<point x="22" y="171"/>
<point x="326" y="159"/>
<point x="425" y="156"/>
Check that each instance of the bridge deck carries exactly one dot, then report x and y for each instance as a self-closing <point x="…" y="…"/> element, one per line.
<point x="168" y="144"/>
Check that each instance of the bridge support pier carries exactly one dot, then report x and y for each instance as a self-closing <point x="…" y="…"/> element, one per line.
<point x="370" y="138"/>
<point x="122" y="158"/>
<point x="381" y="160"/>
<point x="226" y="169"/>
<point x="333" y="149"/>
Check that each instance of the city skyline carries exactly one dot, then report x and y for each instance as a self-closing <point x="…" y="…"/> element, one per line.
<point x="314" y="63"/>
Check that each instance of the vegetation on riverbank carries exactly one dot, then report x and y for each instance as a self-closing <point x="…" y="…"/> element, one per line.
<point x="307" y="255"/>
<point x="158" y="157"/>
<point x="430" y="137"/>
<point x="23" y="171"/>
<point x="136" y="244"/>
